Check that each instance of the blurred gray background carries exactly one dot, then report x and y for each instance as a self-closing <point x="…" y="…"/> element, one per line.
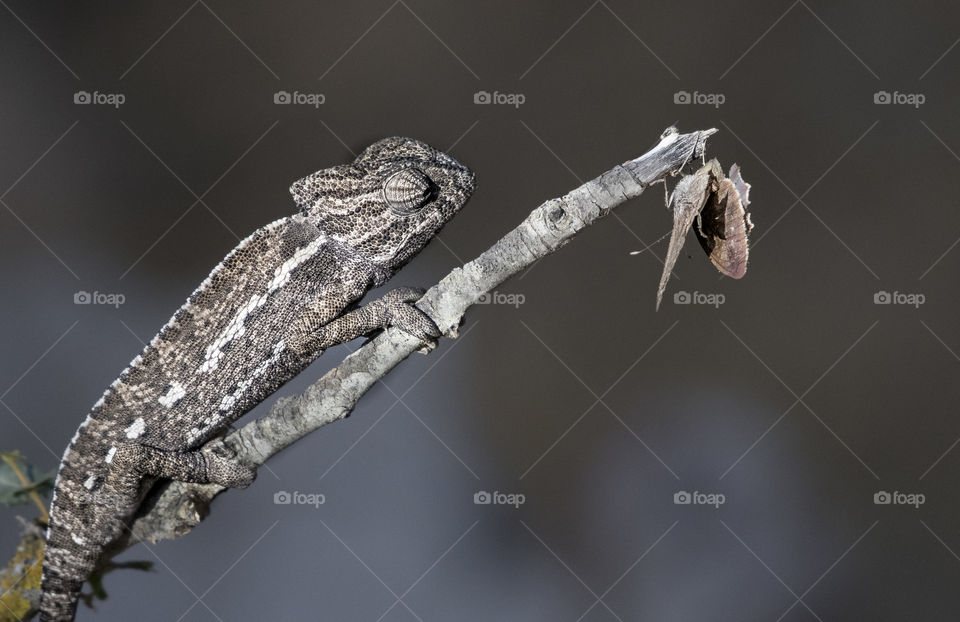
<point x="798" y="398"/>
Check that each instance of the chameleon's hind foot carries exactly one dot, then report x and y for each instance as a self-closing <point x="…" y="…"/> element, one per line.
<point x="229" y="473"/>
<point x="131" y="462"/>
<point x="224" y="469"/>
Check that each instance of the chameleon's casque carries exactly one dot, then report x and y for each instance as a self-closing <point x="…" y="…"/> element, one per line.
<point x="277" y="300"/>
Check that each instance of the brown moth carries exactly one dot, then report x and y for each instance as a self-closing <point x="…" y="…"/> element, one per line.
<point x="719" y="205"/>
<point x="725" y="223"/>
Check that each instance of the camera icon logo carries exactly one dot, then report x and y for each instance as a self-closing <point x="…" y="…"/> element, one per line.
<point x="882" y="97"/>
<point x="682" y="97"/>
<point x="682" y="498"/>
<point x="482" y="497"/>
<point x="282" y="97"/>
<point x="282" y="497"/>
<point x="882" y="498"/>
<point x="682" y="298"/>
<point x="882" y="298"/>
<point x="82" y="298"/>
<point x="482" y="97"/>
<point x="81" y="97"/>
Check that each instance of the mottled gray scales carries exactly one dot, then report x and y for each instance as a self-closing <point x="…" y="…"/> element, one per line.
<point x="276" y="301"/>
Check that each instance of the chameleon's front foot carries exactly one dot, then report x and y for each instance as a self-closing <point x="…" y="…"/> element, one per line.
<point x="398" y="308"/>
<point x="308" y="336"/>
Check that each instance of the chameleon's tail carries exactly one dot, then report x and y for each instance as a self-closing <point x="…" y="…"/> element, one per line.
<point x="58" y="603"/>
<point x="66" y="565"/>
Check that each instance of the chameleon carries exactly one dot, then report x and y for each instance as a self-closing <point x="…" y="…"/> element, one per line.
<point x="279" y="299"/>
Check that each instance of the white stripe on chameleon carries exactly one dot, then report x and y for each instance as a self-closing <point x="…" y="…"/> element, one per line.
<point x="136" y="428"/>
<point x="173" y="395"/>
<point x="235" y="329"/>
<point x="193" y="436"/>
<point x="110" y="454"/>
<point x="90" y="482"/>
<point x="349" y="204"/>
<point x="229" y="400"/>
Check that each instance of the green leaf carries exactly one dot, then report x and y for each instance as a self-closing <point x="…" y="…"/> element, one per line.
<point x="13" y="471"/>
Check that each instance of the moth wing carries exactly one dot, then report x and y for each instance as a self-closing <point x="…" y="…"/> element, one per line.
<point x="743" y="189"/>
<point x="687" y="200"/>
<point x="729" y="254"/>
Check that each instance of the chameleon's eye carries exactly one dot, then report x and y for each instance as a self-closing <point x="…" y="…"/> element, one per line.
<point x="408" y="190"/>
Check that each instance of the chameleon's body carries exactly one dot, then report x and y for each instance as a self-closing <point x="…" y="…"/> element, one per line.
<point x="270" y="308"/>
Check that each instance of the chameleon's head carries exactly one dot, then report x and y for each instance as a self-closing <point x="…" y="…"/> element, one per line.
<point x="389" y="202"/>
